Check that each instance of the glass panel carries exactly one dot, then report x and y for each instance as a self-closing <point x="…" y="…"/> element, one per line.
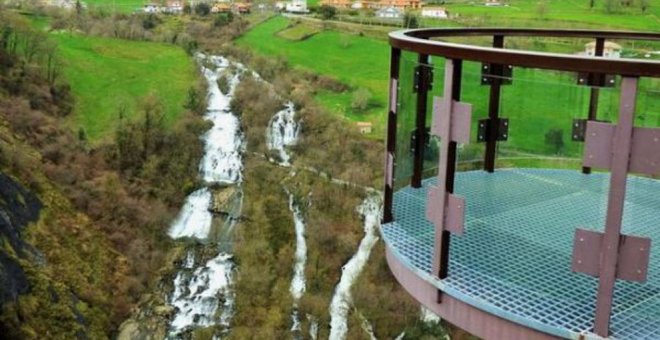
<point x="470" y="156"/>
<point x="541" y="106"/>
<point x="648" y="103"/>
<point x="405" y="120"/>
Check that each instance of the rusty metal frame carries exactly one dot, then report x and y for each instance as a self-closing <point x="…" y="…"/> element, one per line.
<point x="390" y="144"/>
<point x="631" y="150"/>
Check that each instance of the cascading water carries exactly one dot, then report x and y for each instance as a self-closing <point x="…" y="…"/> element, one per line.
<point x="342" y="299"/>
<point x="298" y="281"/>
<point x="283" y="131"/>
<point x="202" y="286"/>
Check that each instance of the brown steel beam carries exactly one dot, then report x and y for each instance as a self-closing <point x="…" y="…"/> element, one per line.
<point x="390" y="146"/>
<point x="456" y="76"/>
<point x="493" y="111"/>
<point x="420" y="124"/>
<point x="416" y="41"/>
<point x="621" y="149"/>
<point x="593" y="100"/>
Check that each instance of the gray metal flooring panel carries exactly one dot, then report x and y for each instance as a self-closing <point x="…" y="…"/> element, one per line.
<point x="515" y="256"/>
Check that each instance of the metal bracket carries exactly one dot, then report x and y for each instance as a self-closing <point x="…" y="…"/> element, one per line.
<point x="579" y="129"/>
<point x="485" y="125"/>
<point x="454" y="212"/>
<point x="461" y="119"/>
<point x="492" y="72"/>
<point x="423" y="77"/>
<point x="413" y="139"/>
<point x="644" y="155"/>
<point x="633" y="255"/>
<point x="596" y="79"/>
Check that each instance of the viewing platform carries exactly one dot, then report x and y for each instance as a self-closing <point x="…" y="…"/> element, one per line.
<point x="522" y="190"/>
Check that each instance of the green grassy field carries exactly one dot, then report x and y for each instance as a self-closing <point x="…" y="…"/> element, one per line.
<point x="106" y="74"/>
<point x="125" y="6"/>
<point x="357" y="61"/>
<point x="556" y="14"/>
<point x="531" y="102"/>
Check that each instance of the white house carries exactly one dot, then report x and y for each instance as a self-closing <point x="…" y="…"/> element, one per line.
<point x="174" y="7"/>
<point x="389" y="13"/>
<point x="357" y="5"/>
<point x="296" y="6"/>
<point x="435" y="12"/>
<point x="151" y="8"/>
<point x="610" y="50"/>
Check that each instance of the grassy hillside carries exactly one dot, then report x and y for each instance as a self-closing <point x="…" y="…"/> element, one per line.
<point x="106" y="74"/>
<point x="125" y="6"/>
<point x="559" y="13"/>
<point x="357" y="61"/>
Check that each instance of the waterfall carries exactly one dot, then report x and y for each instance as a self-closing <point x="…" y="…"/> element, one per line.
<point x="341" y="300"/>
<point x="283" y="131"/>
<point x="298" y="281"/>
<point x="195" y="219"/>
<point x="201" y="287"/>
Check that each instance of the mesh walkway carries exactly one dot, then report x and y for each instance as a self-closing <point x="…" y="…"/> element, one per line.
<point x="514" y="259"/>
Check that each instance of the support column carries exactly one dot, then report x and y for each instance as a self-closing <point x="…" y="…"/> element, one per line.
<point x="621" y="151"/>
<point x="493" y="112"/>
<point x="593" y="100"/>
<point x="390" y="144"/>
<point x="422" y="88"/>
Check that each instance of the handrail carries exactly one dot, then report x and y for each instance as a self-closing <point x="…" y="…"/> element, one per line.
<point x="417" y="40"/>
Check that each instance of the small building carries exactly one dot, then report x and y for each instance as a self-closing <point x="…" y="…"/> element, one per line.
<point x="296" y="6"/>
<point x="357" y="5"/>
<point x="493" y="3"/>
<point x="401" y="4"/>
<point x="221" y="8"/>
<point x="173" y="7"/>
<point x="337" y="3"/>
<point x="364" y="127"/>
<point x="435" y="12"/>
<point x="151" y="8"/>
<point x="242" y="7"/>
<point x="610" y="50"/>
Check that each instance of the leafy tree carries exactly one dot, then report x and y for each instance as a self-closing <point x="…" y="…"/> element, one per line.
<point x="644" y="5"/>
<point x="410" y="20"/>
<point x="361" y="99"/>
<point x="327" y="12"/>
<point x="554" y="138"/>
<point x="202" y="9"/>
<point x="223" y="19"/>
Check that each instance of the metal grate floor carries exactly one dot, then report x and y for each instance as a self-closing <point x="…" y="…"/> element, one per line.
<point x="514" y="259"/>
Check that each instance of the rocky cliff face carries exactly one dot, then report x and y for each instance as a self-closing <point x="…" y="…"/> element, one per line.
<point x="18" y="208"/>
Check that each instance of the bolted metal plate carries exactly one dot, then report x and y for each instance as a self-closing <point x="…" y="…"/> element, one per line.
<point x="492" y="72"/>
<point x="394" y="99"/>
<point x="596" y="80"/>
<point x="461" y="120"/>
<point x="423" y="77"/>
<point x="645" y="153"/>
<point x="633" y="258"/>
<point x="455" y="214"/>
<point x="644" y="156"/>
<point x="579" y="129"/>
<point x="632" y="263"/>
<point x="598" y="145"/>
<point x="485" y="125"/>
<point x="586" y="252"/>
<point x="389" y="169"/>
<point x="452" y="218"/>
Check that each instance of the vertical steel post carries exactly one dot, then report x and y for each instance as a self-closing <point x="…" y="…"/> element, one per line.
<point x="390" y="147"/>
<point x="593" y="100"/>
<point x="447" y="169"/>
<point x="493" y="111"/>
<point x="420" y="123"/>
<point x="621" y="149"/>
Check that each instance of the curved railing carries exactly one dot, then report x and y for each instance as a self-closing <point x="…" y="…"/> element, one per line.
<point x="452" y="100"/>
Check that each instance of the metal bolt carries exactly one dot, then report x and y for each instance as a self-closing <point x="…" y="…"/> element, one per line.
<point x="579" y="261"/>
<point x="639" y="271"/>
<point x="641" y="249"/>
<point x="591" y="156"/>
<point x="581" y="239"/>
<point x="656" y="139"/>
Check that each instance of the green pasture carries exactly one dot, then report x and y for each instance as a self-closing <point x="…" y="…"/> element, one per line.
<point x="536" y="103"/>
<point x="360" y="62"/>
<point x="125" y="6"/>
<point x="558" y="14"/>
<point x="107" y="74"/>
